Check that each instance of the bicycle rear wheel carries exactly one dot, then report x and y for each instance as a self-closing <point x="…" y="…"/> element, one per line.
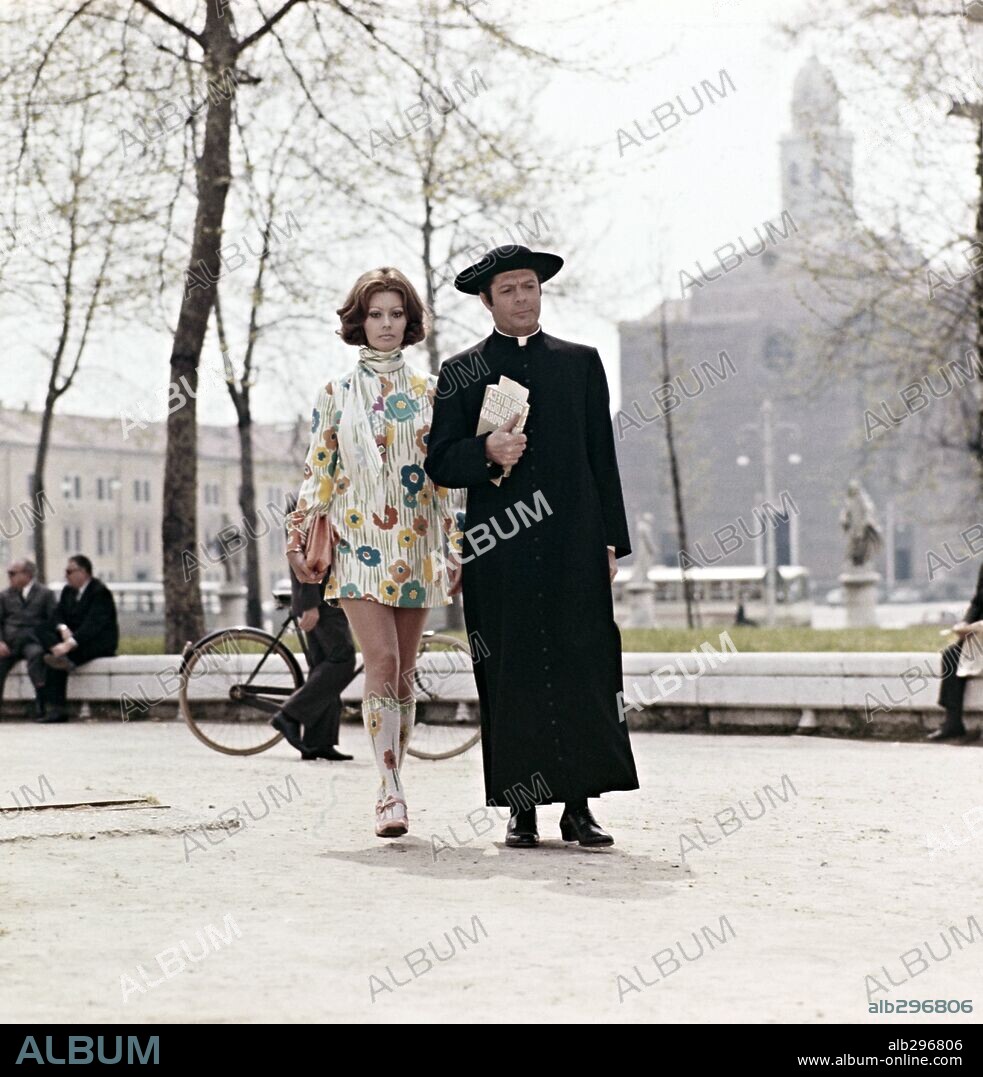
<point x="445" y="726"/>
<point x="232" y="682"/>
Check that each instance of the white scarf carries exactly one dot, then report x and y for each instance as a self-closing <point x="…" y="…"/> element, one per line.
<point x="360" y="455"/>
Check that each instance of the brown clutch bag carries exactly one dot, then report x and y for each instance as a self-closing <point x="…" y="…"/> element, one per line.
<point x="319" y="549"/>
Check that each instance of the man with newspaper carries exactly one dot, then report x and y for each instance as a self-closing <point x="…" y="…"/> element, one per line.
<point x="545" y="522"/>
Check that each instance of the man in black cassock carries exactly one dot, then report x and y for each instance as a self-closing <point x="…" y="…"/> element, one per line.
<point x="539" y="555"/>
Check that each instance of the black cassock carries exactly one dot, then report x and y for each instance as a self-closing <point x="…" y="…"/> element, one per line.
<point x="537" y="590"/>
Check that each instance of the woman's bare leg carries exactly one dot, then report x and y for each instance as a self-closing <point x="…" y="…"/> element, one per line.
<point x="409" y="630"/>
<point x="374" y="626"/>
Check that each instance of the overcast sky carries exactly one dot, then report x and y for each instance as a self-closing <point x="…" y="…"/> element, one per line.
<point x="666" y="202"/>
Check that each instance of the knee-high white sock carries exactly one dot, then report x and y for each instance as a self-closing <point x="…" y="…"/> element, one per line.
<point x="407" y="720"/>
<point x="381" y="715"/>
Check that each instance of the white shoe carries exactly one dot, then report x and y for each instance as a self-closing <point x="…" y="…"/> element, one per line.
<point x="392" y="819"/>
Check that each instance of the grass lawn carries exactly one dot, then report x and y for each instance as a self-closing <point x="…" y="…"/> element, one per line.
<point x="921" y="638"/>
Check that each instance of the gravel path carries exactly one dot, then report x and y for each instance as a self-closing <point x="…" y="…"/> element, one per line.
<point x="304" y="915"/>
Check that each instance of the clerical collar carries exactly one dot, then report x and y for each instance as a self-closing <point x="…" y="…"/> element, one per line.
<point x="521" y="340"/>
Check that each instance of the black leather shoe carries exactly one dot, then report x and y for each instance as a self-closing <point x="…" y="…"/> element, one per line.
<point x="289" y="728"/>
<point x="52" y="716"/>
<point x="324" y="753"/>
<point x="521" y="832"/>
<point x="947" y="732"/>
<point x="577" y="824"/>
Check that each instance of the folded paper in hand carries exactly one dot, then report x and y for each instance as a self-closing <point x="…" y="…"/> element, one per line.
<point x="501" y="402"/>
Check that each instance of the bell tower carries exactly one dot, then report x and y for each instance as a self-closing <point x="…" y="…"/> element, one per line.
<point x="817" y="155"/>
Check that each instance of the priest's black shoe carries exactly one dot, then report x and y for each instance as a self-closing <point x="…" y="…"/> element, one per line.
<point x="290" y="729"/>
<point x="521" y="832"/>
<point x="52" y="716"/>
<point x="947" y="732"/>
<point x="577" y="824"/>
<point x="324" y="753"/>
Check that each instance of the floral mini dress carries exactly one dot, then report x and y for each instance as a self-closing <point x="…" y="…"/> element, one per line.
<point x="393" y="525"/>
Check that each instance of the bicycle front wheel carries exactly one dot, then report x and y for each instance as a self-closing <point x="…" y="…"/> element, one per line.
<point x="232" y="682"/>
<point x="445" y="725"/>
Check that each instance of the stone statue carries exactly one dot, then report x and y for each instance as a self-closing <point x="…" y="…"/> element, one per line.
<point x="645" y="552"/>
<point x="858" y="518"/>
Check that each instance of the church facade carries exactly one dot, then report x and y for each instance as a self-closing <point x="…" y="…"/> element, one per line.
<point x="755" y="412"/>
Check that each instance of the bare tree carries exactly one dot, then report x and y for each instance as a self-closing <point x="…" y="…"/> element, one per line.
<point x="905" y="298"/>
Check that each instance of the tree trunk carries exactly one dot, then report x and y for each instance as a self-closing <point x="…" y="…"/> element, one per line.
<point x="677" y="488"/>
<point x="433" y="350"/>
<point x="247" y="502"/>
<point x="978" y="303"/>
<point x="184" y="616"/>
<point x="37" y="490"/>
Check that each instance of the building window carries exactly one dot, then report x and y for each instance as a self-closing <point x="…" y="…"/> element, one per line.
<point x="778" y="351"/>
<point x="669" y="548"/>
<point x="903" y="542"/>
<point x="141" y="489"/>
<point x="105" y="540"/>
<point x="71" y="487"/>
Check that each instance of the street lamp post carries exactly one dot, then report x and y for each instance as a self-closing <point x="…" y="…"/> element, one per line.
<point x="768" y="471"/>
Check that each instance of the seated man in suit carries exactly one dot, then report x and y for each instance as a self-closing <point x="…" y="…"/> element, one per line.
<point x="86" y="620"/>
<point x="317" y="703"/>
<point x="27" y="611"/>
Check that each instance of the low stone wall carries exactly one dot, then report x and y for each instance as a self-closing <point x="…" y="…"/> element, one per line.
<point x="875" y="694"/>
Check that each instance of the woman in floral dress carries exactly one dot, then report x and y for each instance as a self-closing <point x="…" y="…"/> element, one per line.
<point x="369" y="434"/>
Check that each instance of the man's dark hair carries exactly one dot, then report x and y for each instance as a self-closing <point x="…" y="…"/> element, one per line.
<point x="485" y="289"/>
<point x="82" y="561"/>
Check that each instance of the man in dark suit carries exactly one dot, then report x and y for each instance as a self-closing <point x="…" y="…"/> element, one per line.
<point x="316" y="705"/>
<point x="86" y="620"/>
<point x="27" y="611"/>
<point x="953" y="688"/>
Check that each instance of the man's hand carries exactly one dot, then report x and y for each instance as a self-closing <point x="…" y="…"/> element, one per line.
<point x="63" y="648"/>
<point x="308" y="619"/>
<point x="502" y="446"/>
<point x="299" y="565"/>
<point x="612" y="565"/>
<point x="4" y="649"/>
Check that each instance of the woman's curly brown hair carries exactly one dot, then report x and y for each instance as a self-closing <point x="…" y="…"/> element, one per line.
<point x="356" y="306"/>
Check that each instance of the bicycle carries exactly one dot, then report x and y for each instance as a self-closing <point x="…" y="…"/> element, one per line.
<point x="235" y="720"/>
